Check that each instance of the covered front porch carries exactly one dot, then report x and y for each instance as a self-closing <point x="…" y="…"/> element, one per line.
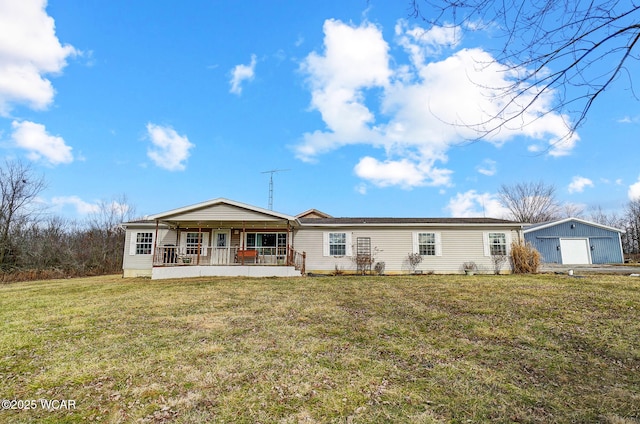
<point x="172" y="255"/>
<point x="223" y="237"/>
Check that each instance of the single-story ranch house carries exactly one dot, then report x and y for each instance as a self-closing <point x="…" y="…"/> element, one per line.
<point x="576" y="241"/>
<point x="223" y="237"/>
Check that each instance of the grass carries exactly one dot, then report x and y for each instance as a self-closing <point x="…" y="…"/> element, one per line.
<point x="420" y="349"/>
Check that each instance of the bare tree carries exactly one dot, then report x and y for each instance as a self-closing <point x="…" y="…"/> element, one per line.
<point x="571" y="210"/>
<point x="530" y="202"/>
<point x="610" y="219"/>
<point x="104" y="237"/>
<point x="631" y="238"/>
<point x="19" y="188"/>
<point x="575" y="49"/>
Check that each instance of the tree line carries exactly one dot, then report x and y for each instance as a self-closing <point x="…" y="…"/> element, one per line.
<point x="36" y="244"/>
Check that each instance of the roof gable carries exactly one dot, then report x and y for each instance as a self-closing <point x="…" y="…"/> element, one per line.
<point x="313" y="213"/>
<point x="221" y="209"/>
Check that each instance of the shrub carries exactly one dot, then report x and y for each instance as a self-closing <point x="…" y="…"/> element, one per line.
<point x="414" y="260"/>
<point x="525" y="258"/>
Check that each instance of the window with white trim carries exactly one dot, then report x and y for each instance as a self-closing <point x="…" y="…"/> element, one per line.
<point x="497" y="244"/>
<point x="337" y="244"/>
<point x="143" y="243"/>
<point x="427" y="244"/>
<point x="193" y="243"/>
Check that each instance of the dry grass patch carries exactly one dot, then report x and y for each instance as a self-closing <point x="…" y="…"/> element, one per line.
<point x="363" y="349"/>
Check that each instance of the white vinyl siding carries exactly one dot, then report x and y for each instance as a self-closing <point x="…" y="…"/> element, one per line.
<point x="141" y="243"/>
<point x="223" y="212"/>
<point x="336" y="244"/>
<point x="454" y="246"/>
<point x="427" y="243"/>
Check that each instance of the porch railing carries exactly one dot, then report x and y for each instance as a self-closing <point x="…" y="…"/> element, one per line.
<point x="180" y="255"/>
<point x="297" y="260"/>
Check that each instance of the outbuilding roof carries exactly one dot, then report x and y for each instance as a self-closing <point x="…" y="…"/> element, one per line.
<point x="535" y="227"/>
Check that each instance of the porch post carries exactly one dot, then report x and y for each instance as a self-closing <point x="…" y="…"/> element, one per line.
<point x="242" y="246"/>
<point x="199" y="245"/>
<point x="289" y="246"/>
<point x="178" y="239"/>
<point x="155" y="245"/>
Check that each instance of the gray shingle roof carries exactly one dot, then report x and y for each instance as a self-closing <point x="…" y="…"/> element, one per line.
<point x="448" y="221"/>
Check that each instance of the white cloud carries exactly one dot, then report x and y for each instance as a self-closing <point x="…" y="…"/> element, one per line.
<point x="404" y="173"/>
<point x="634" y="191"/>
<point x="420" y="43"/>
<point x="170" y="150"/>
<point x="414" y="112"/>
<point x="629" y="119"/>
<point x="39" y="144"/>
<point x="473" y="204"/>
<point x="487" y="168"/>
<point x="578" y="184"/>
<point x="361" y="188"/>
<point x="29" y="50"/>
<point x="82" y="207"/>
<point x="241" y="73"/>
<point x="85" y="208"/>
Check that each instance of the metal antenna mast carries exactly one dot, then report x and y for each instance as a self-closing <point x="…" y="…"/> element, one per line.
<point x="273" y="171"/>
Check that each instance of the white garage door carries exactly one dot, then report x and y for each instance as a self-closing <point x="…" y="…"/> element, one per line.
<point x="575" y="251"/>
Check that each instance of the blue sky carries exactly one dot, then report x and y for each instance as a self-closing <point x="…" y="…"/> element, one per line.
<point x="173" y="103"/>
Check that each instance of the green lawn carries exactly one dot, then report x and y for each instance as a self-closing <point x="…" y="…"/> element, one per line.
<point x="420" y="349"/>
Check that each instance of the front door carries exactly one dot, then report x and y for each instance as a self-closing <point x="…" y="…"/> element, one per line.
<point x="220" y="254"/>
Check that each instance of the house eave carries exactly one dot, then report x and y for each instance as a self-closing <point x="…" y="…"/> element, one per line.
<point x="515" y="226"/>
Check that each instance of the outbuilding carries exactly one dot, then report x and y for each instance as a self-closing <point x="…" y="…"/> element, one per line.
<point x="576" y="241"/>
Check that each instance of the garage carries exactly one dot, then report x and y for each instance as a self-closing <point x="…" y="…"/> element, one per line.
<point x="575" y="251"/>
<point x="574" y="241"/>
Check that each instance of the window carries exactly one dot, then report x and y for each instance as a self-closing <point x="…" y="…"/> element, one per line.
<point x="194" y="242"/>
<point x="267" y="243"/>
<point x="144" y="243"/>
<point x="337" y="244"/>
<point x="427" y="244"/>
<point x="282" y="240"/>
<point x="221" y="240"/>
<point x="497" y="244"/>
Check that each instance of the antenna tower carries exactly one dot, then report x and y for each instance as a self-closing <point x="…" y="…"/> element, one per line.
<point x="273" y="171"/>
